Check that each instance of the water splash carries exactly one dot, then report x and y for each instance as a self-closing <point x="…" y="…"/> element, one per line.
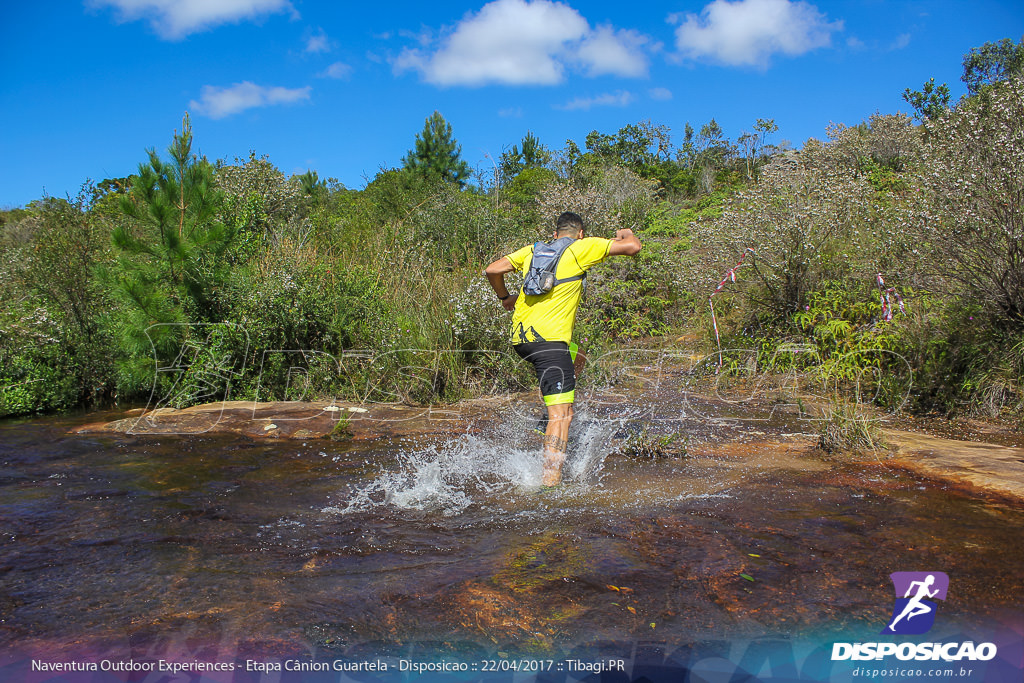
<point x="450" y="476"/>
<point x="477" y="469"/>
<point x="590" y="441"/>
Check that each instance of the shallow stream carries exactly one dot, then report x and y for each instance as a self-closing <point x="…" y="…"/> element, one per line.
<point x="216" y="545"/>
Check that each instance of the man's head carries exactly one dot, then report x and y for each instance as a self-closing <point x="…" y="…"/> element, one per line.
<point x="569" y="224"/>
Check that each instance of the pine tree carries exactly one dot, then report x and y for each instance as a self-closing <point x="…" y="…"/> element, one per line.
<point x="173" y="234"/>
<point x="169" y="254"/>
<point x="534" y="155"/>
<point x="437" y="155"/>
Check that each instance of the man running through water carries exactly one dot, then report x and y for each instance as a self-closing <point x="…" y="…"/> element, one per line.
<point x="542" y="325"/>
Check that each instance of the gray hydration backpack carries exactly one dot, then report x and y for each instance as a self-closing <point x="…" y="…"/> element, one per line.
<point x="540" y="278"/>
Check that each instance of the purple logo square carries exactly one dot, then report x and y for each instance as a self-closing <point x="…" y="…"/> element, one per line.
<point x="914" y="608"/>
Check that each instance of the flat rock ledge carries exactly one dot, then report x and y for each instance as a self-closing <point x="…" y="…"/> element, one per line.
<point x="304" y="420"/>
<point x="981" y="467"/>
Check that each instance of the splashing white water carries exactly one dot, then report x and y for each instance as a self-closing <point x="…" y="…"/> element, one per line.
<point x="447" y="477"/>
<point x="590" y="442"/>
<point x="472" y="469"/>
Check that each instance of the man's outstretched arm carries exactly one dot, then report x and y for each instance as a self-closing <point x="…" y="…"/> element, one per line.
<point x="625" y="243"/>
<point x="496" y="276"/>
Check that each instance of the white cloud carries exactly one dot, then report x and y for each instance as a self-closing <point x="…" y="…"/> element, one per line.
<point x="337" y="70"/>
<point x="509" y="41"/>
<point x="318" y="43"/>
<point x="620" y="98"/>
<point x="216" y="102"/>
<point x="661" y="94"/>
<point x="750" y="32"/>
<point x="424" y="36"/>
<point x="619" y="53"/>
<point x="175" y="19"/>
<point x="525" y="42"/>
<point x="901" y="42"/>
<point x="511" y="113"/>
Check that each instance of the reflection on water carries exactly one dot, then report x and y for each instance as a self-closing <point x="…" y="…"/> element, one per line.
<point x="278" y="547"/>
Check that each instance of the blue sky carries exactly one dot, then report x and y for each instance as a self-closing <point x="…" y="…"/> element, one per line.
<point x="343" y="88"/>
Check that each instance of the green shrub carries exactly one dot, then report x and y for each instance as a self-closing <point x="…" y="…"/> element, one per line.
<point x="630" y="297"/>
<point x="36" y="374"/>
<point x="848" y="427"/>
<point x="962" y="363"/>
<point x="293" y="305"/>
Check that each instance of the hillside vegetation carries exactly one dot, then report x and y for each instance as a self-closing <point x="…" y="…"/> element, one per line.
<point x="193" y="280"/>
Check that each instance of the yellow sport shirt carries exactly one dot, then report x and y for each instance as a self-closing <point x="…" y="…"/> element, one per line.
<point x="552" y="316"/>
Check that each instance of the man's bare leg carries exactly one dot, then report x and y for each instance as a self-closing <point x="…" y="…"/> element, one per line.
<point x="556" y="441"/>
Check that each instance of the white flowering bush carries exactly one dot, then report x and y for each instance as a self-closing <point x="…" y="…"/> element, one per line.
<point x="968" y="223"/>
<point x="262" y="207"/>
<point x="972" y="221"/>
<point x="259" y="181"/>
<point x="54" y="350"/>
<point x="477" y="320"/>
<point x="618" y="198"/>
<point x="814" y="216"/>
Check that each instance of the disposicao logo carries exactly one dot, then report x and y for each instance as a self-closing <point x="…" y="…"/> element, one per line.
<point x="912" y="614"/>
<point x="914" y="611"/>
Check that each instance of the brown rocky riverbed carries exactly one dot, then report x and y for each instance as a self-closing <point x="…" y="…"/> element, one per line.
<point x="987" y="461"/>
<point x="208" y="533"/>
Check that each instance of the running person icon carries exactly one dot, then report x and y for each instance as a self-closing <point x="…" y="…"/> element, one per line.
<point x="915" y="607"/>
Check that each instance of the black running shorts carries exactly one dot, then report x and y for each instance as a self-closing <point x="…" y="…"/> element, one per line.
<point x="553" y="362"/>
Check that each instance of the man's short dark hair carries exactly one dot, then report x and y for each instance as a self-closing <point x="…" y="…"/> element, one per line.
<point x="569" y="223"/>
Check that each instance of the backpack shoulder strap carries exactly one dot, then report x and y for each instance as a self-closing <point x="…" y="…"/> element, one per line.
<point x="568" y="242"/>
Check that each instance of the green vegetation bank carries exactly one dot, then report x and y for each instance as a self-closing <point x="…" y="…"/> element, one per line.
<point x="192" y="280"/>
